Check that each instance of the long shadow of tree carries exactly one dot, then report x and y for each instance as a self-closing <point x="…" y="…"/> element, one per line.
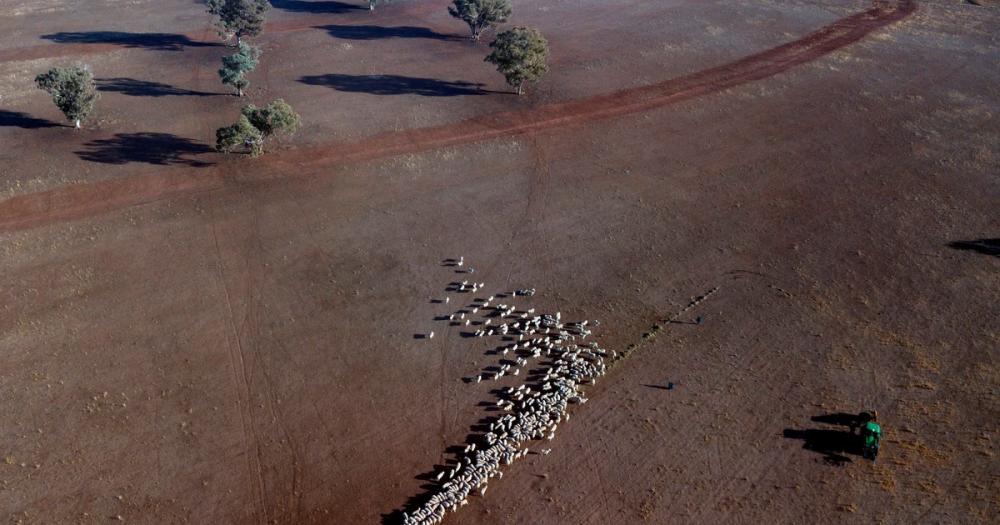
<point x="15" y="119"/>
<point x="394" y="85"/>
<point x="983" y="246"/>
<point x="366" y="32"/>
<point x="161" y="149"/>
<point x="320" y="7"/>
<point x="156" y="41"/>
<point x="144" y="88"/>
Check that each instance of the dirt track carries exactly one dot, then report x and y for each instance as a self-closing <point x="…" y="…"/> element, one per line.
<point x="81" y="201"/>
<point x="187" y="338"/>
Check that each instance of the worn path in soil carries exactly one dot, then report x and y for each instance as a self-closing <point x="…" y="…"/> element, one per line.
<point x="84" y="200"/>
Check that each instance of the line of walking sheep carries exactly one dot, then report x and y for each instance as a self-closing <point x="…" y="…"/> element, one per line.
<point x="534" y="410"/>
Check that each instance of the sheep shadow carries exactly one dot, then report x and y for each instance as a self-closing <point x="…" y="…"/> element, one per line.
<point x="369" y="32"/>
<point x="154" y="41"/>
<point x="145" y="88"/>
<point x="983" y="246"/>
<point x="490" y="410"/>
<point x="455" y="453"/>
<point x="16" y="119"/>
<point x="161" y="149"/>
<point x="394" y="85"/>
<point x="320" y="7"/>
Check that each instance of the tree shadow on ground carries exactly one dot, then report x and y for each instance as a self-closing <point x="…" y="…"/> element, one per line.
<point x="161" y="149"/>
<point x="365" y="32"/>
<point x="15" y="119"/>
<point x="156" y="41"/>
<point x="394" y="85"/>
<point x="144" y="88"/>
<point x="319" y="7"/>
<point x="983" y="246"/>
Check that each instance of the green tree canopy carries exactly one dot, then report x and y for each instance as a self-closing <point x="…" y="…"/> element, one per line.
<point x="520" y="54"/>
<point x="255" y="125"/>
<point x="239" y="18"/>
<point x="73" y="90"/>
<point x="241" y="134"/>
<point x="276" y="117"/>
<point x="480" y="15"/>
<point x="236" y="66"/>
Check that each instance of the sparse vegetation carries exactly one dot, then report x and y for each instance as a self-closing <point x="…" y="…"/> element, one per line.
<point x="240" y="134"/>
<point x="480" y="15"/>
<point x="236" y="66"/>
<point x="520" y="54"/>
<point x="239" y="18"/>
<point x="255" y="125"/>
<point x="73" y="90"/>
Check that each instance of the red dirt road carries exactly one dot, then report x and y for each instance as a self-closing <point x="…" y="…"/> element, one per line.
<point x="83" y="200"/>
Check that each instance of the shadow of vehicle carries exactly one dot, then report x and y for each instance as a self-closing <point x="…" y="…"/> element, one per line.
<point x="319" y="7"/>
<point x="983" y="246"/>
<point x="161" y="149"/>
<point x="394" y="85"/>
<point x="843" y="419"/>
<point x="15" y="119"/>
<point x="833" y="444"/>
<point x="366" y="32"/>
<point x="145" y="88"/>
<point x="155" y="41"/>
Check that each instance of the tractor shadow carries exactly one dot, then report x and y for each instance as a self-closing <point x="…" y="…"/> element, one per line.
<point x="394" y="85"/>
<point x="835" y="445"/>
<point x="161" y="149"/>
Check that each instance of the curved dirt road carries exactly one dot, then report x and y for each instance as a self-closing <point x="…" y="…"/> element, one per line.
<point x="84" y="200"/>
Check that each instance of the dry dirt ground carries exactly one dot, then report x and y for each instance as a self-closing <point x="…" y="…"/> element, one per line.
<point x="192" y="338"/>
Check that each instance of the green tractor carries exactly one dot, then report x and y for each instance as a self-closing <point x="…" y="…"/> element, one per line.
<point x="871" y="434"/>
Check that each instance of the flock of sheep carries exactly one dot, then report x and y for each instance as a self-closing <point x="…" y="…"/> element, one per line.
<point x="534" y="410"/>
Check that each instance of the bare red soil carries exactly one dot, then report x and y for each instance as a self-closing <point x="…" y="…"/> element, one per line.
<point x="81" y="200"/>
<point x="192" y="338"/>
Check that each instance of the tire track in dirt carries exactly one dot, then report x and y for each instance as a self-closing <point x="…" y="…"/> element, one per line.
<point x="536" y="195"/>
<point x="241" y="381"/>
<point x="275" y="482"/>
<point x="73" y="202"/>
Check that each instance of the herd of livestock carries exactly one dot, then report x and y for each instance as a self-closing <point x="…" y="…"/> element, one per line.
<point x="534" y="409"/>
<point x="564" y="362"/>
